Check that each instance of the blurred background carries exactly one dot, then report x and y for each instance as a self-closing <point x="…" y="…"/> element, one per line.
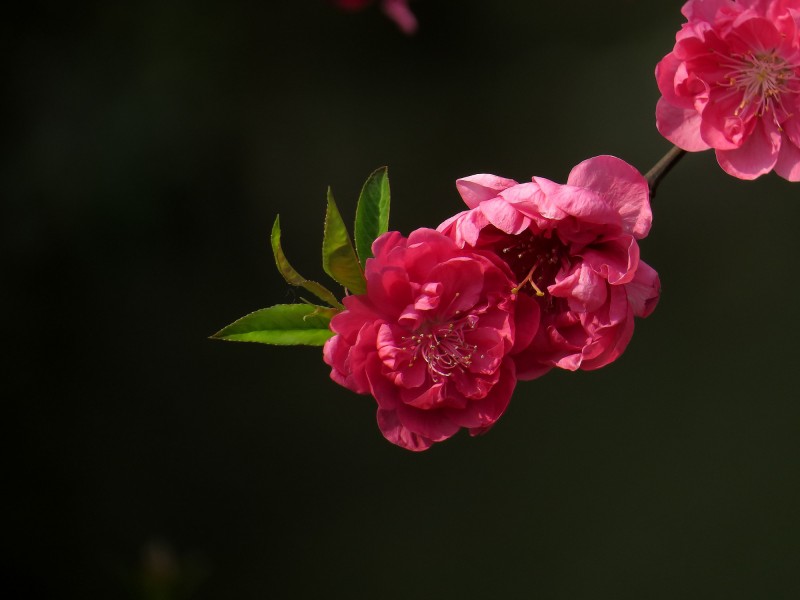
<point x="147" y="148"/>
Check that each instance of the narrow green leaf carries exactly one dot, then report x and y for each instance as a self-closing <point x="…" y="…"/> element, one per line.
<point x="372" y="212"/>
<point x="282" y="325"/>
<point x="293" y="277"/>
<point x="338" y="256"/>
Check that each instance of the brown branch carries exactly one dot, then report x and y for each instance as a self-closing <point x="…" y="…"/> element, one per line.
<point x="661" y="168"/>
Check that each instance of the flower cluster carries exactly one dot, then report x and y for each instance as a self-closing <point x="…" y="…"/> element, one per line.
<point x="732" y="83"/>
<point x="439" y="326"/>
<point x="533" y="276"/>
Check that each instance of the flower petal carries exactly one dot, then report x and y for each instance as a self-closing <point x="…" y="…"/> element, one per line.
<point x="643" y="291"/>
<point x="504" y="216"/>
<point x="757" y="155"/>
<point x="788" y="164"/>
<point x="397" y="433"/>
<point x="681" y="126"/>
<point x="477" y="188"/>
<point x="621" y="186"/>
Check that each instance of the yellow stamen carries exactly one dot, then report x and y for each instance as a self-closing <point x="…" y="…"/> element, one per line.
<point x="528" y="279"/>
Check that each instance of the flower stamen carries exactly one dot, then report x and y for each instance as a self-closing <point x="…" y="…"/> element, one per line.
<point x="763" y="79"/>
<point x="535" y="259"/>
<point x="528" y="279"/>
<point x="444" y="348"/>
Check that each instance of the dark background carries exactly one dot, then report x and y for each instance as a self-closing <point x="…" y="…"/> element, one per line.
<point x="146" y="151"/>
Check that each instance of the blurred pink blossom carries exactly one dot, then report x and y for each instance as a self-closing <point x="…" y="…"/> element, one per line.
<point x="432" y="338"/>
<point x="397" y="10"/>
<point x="573" y="248"/>
<point x="732" y="83"/>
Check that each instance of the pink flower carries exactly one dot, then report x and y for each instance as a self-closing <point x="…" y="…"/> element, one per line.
<point x="732" y="83"/>
<point x="397" y="10"/>
<point x="431" y="339"/>
<point x="573" y="249"/>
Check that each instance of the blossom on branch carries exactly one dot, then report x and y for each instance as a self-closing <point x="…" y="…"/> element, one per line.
<point x="432" y="338"/>
<point x="732" y="83"/>
<point x="573" y="250"/>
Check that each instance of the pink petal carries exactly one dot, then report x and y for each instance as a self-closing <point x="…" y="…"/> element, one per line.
<point x="720" y="126"/>
<point x="386" y="394"/>
<point x="465" y="227"/>
<point x="668" y="80"/>
<point x="615" y="260"/>
<point x="753" y="34"/>
<point x="350" y="321"/>
<point x="791" y="126"/>
<point x="611" y="345"/>
<point x="492" y="345"/>
<point x="477" y="188"/>
<point x="429" y="297"/>
<point x="583" y="288"/>
<point x="681" y="126"/>
<point x="643" y="291"/>
<point x="398" y="434"/>
<point x="432" y="424"/>
<point x="426" y="398"/>
<point x="525" y="197"/>
<point x="460" y="285"/>
<point x="412" y="376"/>
<point x="481" y="414"/>
<point x="621" y="186"/>
<point x="504" y="216"/>
<point x="757" y="155"/>
<point x="390" y="239"/>
<point x="703" y="9"/>
<point x="526" y="322"/>
<point x="336" y="354"/>
<point x="391" y="290"/>
<point x="788" y="164"/>
<point x="584" y="204"/>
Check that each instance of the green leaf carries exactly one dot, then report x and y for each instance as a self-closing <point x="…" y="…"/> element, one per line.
<point x="293" y="277"/>
<point x="282" y="325"/>
<point x="338" y="256"/>
<point x="372" y="212"/>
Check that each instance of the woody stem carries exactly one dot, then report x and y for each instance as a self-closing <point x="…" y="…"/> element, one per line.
<point x="661" y="168"/>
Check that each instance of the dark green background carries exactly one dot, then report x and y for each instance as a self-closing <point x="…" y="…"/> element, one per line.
<point x="146" y="151"/>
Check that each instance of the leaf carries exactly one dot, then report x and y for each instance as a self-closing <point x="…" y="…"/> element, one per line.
<point x="338" y="256"/>
<point x="323" y="311"/>
<point x="282" y="325"/>
<point x="293" y="277"/>
<point x="372" y="212"/>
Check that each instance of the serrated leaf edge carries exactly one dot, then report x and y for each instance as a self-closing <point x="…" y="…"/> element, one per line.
<point x="318" y="312"/>
<point x="292" y="276"/>
<point x="332" y="212"/>
<point x="364" y="246"/>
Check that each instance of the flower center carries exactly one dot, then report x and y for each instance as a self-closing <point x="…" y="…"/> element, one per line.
<point x="762" y="79"/>
<point x="534" y="260"/>
<point x="444" y="348"/>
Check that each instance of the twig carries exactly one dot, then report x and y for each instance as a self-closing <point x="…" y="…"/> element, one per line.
<point x="661" y="168"/>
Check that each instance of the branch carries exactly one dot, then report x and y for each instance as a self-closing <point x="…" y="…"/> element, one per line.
<point x="661" y="168"/>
